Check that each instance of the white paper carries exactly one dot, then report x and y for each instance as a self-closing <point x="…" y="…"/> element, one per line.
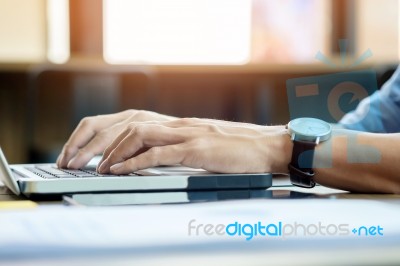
<point x="64" y="228"/>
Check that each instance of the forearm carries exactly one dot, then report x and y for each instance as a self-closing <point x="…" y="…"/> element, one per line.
<point x="261" y="128"/>
<point x="359" y="162"/>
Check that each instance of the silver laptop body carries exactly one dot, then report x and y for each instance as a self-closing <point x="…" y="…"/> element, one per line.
<point x="45" y="179"/>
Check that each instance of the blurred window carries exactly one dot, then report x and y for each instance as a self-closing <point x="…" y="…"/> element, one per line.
<point x="214" y="31"/>
<point x="22" y="31"/>
<point x="377" y="29"/>
<point x="34" y="31"/>
<point x="198" y="31"/>
<point x="58" y="48"/>
<point x="289" y="31"/>
<point x="177" y="31"/>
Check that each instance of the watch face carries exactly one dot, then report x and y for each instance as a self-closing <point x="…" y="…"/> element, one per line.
<point x="309" y="129"/>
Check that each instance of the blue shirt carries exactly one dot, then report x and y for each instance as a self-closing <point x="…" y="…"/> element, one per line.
<point x="379" y="113"/>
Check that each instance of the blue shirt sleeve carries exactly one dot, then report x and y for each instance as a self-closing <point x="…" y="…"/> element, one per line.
<point x="379" y="113"/>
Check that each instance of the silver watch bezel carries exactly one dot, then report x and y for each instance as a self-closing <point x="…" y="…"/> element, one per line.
<point x="317" y="138"/>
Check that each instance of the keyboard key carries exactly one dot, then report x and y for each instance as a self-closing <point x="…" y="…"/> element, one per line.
<point x="65" y="175"/>
<point x="78" y="173"/>
<point x="90" y="172"/>
<point x="50" y="170"/>
<point x="40" y="173"/>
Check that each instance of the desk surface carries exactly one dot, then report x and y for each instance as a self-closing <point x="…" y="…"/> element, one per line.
<point x="384" y="251"/>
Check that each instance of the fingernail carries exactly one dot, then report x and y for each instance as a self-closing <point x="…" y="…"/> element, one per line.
<point x="116" y="167"/>
<point x="102" y="166"/>
<point x="70" y="163"/>
<point x="60" y="160"/>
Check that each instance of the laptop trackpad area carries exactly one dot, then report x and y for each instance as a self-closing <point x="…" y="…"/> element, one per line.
<point x="159" y="170"/>
<point x="172" y="170"/>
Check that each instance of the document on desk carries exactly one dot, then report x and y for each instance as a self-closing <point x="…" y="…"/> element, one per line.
<point x="54" y="230"/>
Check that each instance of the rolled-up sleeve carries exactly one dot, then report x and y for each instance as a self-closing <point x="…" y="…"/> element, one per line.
<point x="379" y="113"/>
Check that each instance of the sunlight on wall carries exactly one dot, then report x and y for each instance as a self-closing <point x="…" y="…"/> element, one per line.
<point x="58" y="31"/>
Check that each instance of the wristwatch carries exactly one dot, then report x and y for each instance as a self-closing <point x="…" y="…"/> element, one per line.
<point x="305" y="133"/>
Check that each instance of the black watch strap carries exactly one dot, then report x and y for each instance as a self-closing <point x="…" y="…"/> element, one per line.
<point x="300" y="167"/>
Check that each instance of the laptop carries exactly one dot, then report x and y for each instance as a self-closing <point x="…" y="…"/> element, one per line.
<point x="47" y="179"/>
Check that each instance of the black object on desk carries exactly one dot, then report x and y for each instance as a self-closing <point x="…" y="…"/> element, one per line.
<point x="132" y="198"/>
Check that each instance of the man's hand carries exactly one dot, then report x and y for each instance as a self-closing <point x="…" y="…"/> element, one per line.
<point x="94" y="134"/>
<point x="213" y="145"/>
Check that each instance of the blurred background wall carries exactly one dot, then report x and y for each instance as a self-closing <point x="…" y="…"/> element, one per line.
<point x="61" y="60"/>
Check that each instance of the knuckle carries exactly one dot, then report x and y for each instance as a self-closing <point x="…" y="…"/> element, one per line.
<point x="211" y="128"/>
<point x="85" y="152"/>
<point x="130" y="165"/>
<point x="103" y="134"/>
<point x="68" y="149"/>
<point x="140" y="130"/>
<point x="130" y="112"/>
<point x="112" y="157"/>
<point x="195" y="120"/>
<point x="192" y="156"/>
<point x="86" y="120"/>
<point x="184" y="121"/>
<point x="107" y="150"/>
<point x="188" y="121"/>
<point x="131" y="126"/>
<point x="154" y="155"/>
<point x="141" y="115"/>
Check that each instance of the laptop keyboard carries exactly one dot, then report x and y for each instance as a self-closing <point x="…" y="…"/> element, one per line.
<point x="49" y="172"/>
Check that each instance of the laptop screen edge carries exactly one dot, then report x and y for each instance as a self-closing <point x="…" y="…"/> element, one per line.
<point x="6" y="176"/>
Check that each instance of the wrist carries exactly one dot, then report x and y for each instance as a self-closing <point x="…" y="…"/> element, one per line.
<point x="279" y="148"/>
